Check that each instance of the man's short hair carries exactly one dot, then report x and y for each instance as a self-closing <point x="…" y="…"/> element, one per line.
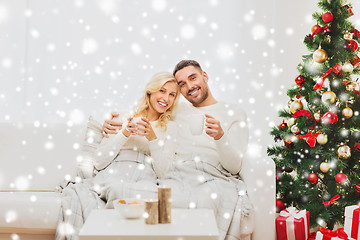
<point x="185" y="63"/>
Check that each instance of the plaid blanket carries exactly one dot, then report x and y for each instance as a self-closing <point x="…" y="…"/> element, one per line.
<point x="197" y="184"/>
<point x="194" y="184"/>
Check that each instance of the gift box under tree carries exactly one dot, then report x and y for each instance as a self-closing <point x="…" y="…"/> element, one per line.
<point x="293" y="224"/>
<point x="326" y="234"/>
<point x="352" y="216"/>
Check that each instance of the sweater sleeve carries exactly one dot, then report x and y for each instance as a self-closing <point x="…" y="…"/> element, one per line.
<point x="108" y="149"/>
<point x="233" y="144"/>
<point x="163" y="150"/>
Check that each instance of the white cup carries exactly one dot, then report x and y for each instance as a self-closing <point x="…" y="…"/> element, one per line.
<point x="196" y="123"/>
<point x="135" y="120"/>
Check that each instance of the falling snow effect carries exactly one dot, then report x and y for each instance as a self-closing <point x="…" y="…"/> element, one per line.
<point x="91" y="58"/>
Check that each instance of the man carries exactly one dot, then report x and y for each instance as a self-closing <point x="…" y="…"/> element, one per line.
<point x="203" y="172"/>
<point x="226" y="135"/>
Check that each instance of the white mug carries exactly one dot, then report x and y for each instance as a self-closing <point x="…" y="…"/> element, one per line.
<point x="196" y="123"/>
<point x="138" y="119"/>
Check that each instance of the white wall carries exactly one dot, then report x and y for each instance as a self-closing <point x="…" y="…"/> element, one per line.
<point x="63" y="60"/>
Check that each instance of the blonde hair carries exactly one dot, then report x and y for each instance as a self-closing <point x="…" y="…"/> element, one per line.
<point x="156" y="82"/>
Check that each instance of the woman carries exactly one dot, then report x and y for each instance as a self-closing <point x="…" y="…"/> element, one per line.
<point x="127" y="160"/>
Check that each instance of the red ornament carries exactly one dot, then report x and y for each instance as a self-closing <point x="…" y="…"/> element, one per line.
<point x="329" y="118"/>
<point x="283" y="126"/>
<point x="315" y="28"/>
<point x="313" y="178"/>
<point x="279" y="205"/>
<point x="288" y="169"/>
<point x="299" y="80"/>
<point x="327" y="17"/>
<point x="340" y="178"/>
<point x="352" y="45"/>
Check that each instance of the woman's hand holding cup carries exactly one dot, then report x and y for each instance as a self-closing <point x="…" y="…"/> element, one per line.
<point x="139" y="126"/>
<point x="131" y="128"/>
<point x="145" y="129"/>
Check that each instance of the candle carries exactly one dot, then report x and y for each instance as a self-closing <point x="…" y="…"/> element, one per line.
<point x="151" y="212"/>
<point x="164" y="196"/>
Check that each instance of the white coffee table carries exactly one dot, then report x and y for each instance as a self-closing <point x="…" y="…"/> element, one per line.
<point x="186" y="224"/>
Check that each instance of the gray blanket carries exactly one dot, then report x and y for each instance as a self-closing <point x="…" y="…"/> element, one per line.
<point x="196" y="184"/>
<point x="193" y="184"/>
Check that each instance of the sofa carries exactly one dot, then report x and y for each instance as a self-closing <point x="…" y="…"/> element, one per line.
<point x="37" y="157"/>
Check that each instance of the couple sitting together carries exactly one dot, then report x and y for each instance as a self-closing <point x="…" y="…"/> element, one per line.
<point x="154" y="147"/>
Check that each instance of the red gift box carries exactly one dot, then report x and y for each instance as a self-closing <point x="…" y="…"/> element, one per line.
<point x="352" y="219"/>
<point x="293" y="224"/>
<point x="327" y="234"/>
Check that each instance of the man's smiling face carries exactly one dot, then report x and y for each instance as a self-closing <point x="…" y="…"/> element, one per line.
<point x="193" y="84"/>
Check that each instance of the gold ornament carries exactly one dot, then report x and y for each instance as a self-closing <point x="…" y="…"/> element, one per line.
<point x="317" y="116"/>
<point x="348" y="36"/>
<point x="320" y="55"/>
<point x="328" y="96"/>
<point x="322" y="139"/>
<point x="324" y="167"/>
<point x="344" y="151"/>
<point x="347" y="112"/>
<point x="296" y="105"/>
<point x="295" y="129"/>
<point x="291" y="121"/>
<point x="347" y="67"/>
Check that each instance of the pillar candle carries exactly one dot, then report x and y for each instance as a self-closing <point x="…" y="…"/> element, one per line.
<point x="164" y="196"/>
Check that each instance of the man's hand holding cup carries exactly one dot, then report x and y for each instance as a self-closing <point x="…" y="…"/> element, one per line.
<point x="199" y="122"/>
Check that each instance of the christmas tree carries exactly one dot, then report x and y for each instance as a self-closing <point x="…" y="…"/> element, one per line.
<point x="317" y="149"/>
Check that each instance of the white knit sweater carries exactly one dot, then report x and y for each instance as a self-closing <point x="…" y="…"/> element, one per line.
<point x="178" y="144"/>
<point x="228" y="150"/>
<point x="162" y="149"/>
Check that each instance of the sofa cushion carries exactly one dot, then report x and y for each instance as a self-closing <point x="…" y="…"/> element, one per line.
<point x="93" y="137"/>
<point x="37" y="157"/>
<point x="29" y="210"/>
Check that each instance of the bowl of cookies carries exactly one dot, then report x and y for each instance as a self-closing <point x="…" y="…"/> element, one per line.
<point x="131" y="208"/>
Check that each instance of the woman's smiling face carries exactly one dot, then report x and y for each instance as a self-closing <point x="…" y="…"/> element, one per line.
<point x="163" y="99"/>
